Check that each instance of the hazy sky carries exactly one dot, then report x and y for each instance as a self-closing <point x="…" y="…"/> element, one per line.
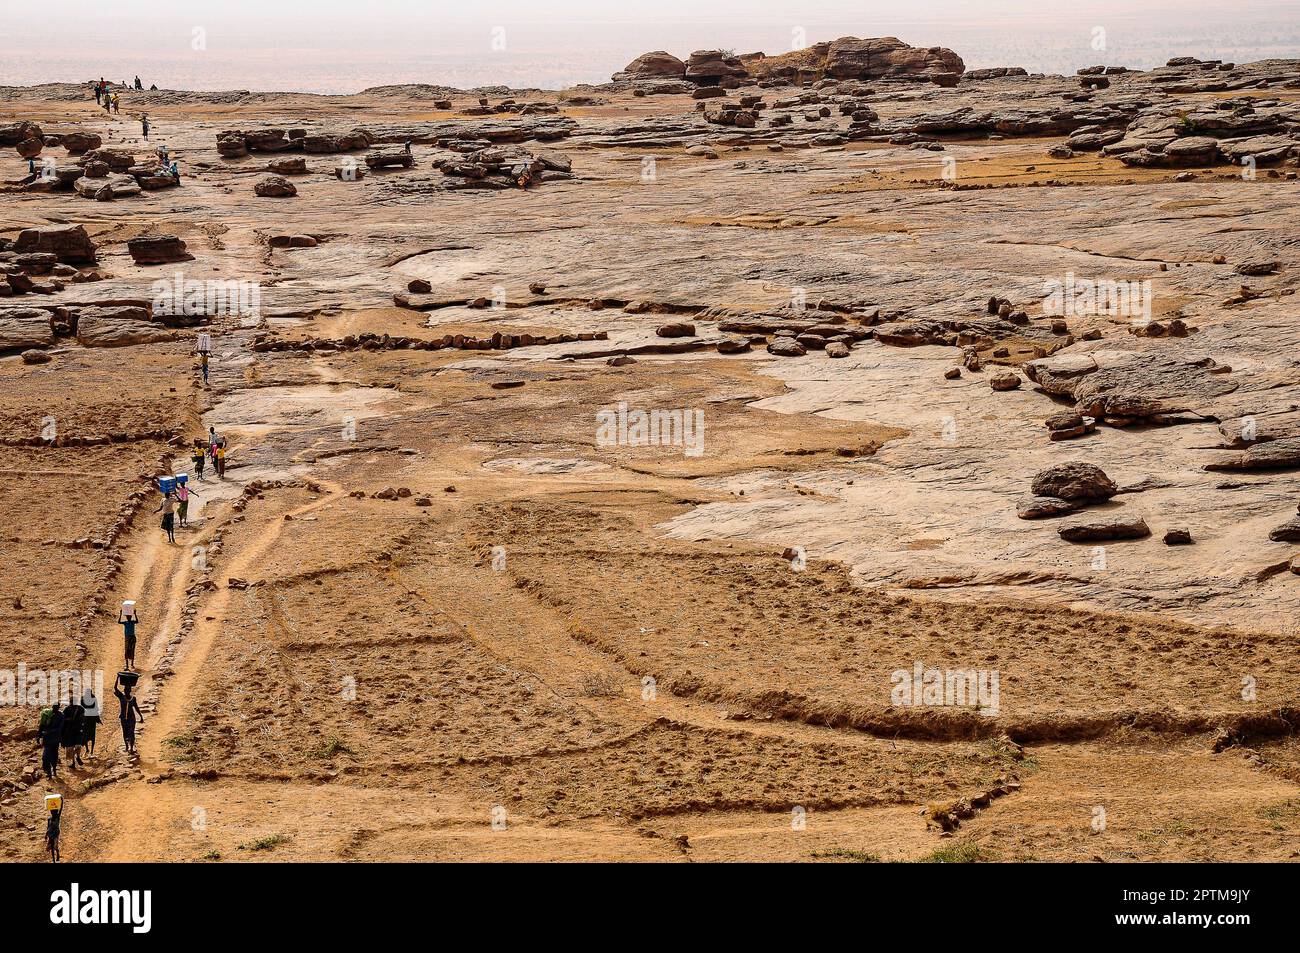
<point x="345" y="45"/>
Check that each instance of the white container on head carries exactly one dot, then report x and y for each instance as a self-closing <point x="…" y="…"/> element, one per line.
<point x="128" y="608"/>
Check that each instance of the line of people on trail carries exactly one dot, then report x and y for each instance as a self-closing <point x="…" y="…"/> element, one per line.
<point x="112" y="102"/>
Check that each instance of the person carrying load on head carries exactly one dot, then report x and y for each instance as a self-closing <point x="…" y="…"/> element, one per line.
<point x="183" y="501"/>
<point x="52" y="833"/>
<point x="127" y="621"/>
<point x="129" y="713"/>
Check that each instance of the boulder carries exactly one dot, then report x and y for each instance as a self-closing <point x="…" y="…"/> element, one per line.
<point x="1074" y="481"/>
<point x="709" y="67"/>
<point x="36" y="357"/>
<point x="786" y="347"/>
<point x="1288" y="532"/>
<point x="157" y="250"/>
<point x="676" y="329"/>
<point x="79" y="142"/>
<point x="874" y="58"/>
<point x="287" y="165"/>
<point x="1005" y="380"/>
<point x="274" y="186"/>
<point x="1282" y="454"/>
<point x="109" y="187"/>
<point x="17" y="132"/>
<point x="385" y="160"/>
<point x="69" y="243"/>
<point x="1103" y="530"/>
<point x="657" y="65"/>
<point x="119" y="327"/>
<point x="24" y="328"/>
<point x="1038" y="507"/>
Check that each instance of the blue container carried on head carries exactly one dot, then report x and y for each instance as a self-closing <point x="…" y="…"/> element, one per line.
<point x="166" y="484"/>
<point x="181" y="479"/>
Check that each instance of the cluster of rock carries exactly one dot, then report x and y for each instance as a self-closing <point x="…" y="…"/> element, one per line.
<point x="236" y="143"/>
<point x="1070" y="487"/>
<point x="499" y="341"/>
<point x="1127" y="387"/>
<point x="496" y="167"/>
<point x="507" y="105"/>
<point x="845" y="58"/>
<point x="1264" y="132"/>
<point x="99" y="172"/>
<point x="91" y="325"/>
<point x="40" y="260"/>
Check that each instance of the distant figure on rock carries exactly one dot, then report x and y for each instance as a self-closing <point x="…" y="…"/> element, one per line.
<point x="176" y="174"/>
<point x="128" y="633"/>
<point x="138" y="84"/>
<point x="52" y="835"/>
<point x="95" y="87"/>
<point x="407" y="147"/>
<point x="130" y="711"/>
<point x="168" y="508"/>
<point x="115" y="103"/>
<point x="144" y="125"/>
<point x="153" y="86"/>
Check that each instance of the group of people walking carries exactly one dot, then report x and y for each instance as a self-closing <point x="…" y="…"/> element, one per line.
<point x="112" y="103"/>
<point x="71" y="728"/>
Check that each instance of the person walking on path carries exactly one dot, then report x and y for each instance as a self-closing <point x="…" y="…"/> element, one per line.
<point x="52" y="835"/>
<point x="144" y="125"/>
<point x="50" y="734"/>
<point x="128" y="632"/>
<point x="203" y="355"/>
<point x="221" y="460"/>
<point x="199" y="455"/>
<point x="94" y="714"/>
<point x="183" y="503"/>
<point x="130" y="711"/>
<point x="168" y="508"/>
<point x="98" y="91"/>
<point x="115" y="103"/>
<point x="71" y="736"/>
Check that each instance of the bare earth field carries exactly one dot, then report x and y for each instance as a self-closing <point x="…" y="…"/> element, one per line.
<point x="431" y="613"/>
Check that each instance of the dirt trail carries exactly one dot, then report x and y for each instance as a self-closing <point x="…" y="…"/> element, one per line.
<point x="137" y="808"/>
